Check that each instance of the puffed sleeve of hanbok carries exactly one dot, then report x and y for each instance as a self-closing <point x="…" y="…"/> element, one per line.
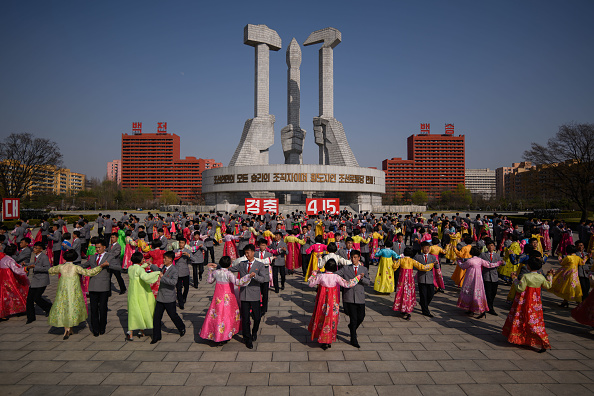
<point x="379" y="253"/>
<point x="14" y="267"/>
<point x="487" y="264"/>
<point x="149" y="277"/>
<point x="87" y="272"/>
<point x="211" y="277"/>
<point x="521" y="284"/>
<point x="395" y="255"/>
<point x="463" y="264"/>
<point x="347" y="284"/>
<point x="55" y="270"/>
<point x="240" y="282"/>
<point x="422" y="267"/>
<point x="310" y="249"/>
<point x="314" y="279"/>
<point x="396" y="264"/>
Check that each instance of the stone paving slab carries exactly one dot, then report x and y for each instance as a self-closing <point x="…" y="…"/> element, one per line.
<point x="450" y="354"/>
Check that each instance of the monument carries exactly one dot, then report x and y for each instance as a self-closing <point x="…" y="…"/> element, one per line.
<point x="249" y="174"/>
<point x="258" y="132"/>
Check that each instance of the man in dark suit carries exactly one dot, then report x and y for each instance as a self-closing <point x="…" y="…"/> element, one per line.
<point x="166" y="298"/>
<point x="354" y="298"/>
<point x="23" y="257"/>
<point x="266" y="258"/>
<point x="99" y="289"/>
<point x="425" y="278"/>
<point x="183" y="256"/>
<point x="39" y="280"/>
<point x="249" y="295"/>
<point x="56" y="237"/>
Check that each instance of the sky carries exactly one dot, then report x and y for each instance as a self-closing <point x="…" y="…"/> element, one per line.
<point x="505" y="73"/>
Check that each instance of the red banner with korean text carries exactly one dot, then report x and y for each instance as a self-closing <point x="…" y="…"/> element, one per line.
<point x="259" y="206"/>
<point x="326" y="205"/>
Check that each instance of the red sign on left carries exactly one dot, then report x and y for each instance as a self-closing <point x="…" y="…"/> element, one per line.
<point x="11" y="208"/>
<point x="259" y="206"/>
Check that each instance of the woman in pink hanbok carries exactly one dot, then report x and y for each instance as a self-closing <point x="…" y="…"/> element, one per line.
<point x="406" y="298"/>
<point x="324" y="320"/>
<point x="566" y="240"/>
<point x="546" y="239"/>
<point x="223" y="319"/>
<point x="129" y="250"/>
<point x="472" y="295"/>
<point x="230" y="248"/>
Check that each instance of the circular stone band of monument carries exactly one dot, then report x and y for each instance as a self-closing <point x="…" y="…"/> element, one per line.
<point x="297" y="178"/>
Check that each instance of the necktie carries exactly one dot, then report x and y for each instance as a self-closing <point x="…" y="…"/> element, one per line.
<point x="356" y="268"/>
<point x="249" y="267"/>
<point x="164" y="270"/>
<point x="491" y="256"/>
<point x="425" y="256"/>
<point x="349" y="255"/>
<point x="262" y="255"/>
<point x="399" y="246"/>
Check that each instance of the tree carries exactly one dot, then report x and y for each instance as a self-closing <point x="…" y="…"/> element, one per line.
<point x="21" y="156"/>
<point x="169" y="197"/>
<point x="568" y="158"/>
<point x="419" y="198"/>
<point x="461" y="196"/>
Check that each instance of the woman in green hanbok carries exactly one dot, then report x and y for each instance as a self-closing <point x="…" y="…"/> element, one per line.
<point x="141" y="300"/>
<point x="69" y="307"/>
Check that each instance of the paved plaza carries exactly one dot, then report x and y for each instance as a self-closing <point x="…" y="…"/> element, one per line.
<point x="450" y="354"/>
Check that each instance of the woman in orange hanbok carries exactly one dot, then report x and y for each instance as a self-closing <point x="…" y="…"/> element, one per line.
<point x="464" y="253"/>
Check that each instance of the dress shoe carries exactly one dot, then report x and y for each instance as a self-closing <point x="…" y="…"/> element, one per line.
<point x="102" y="332"/>
<point x="96" y="333"/>
<point x="154" y="341"/>
<point x="254" y="336"/>
<point x="66" y="336"/>
<point x="355" y="343"/>
<point x="30" y="321"/>
<point x="324" y="346"/>
<point x="493" y="313"/>
<point x="122" y="292"/>
<point x="283" y="287"/>
<point x="47" y="314"/>
<point x="276" y="291"/>
<point x="181" y="307"/>
<point x="182" y="332"/>
<point x="249" y="344"/>
<point x="428" y="314"/>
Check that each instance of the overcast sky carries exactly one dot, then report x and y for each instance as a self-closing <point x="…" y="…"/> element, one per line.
<point x="506" y="73"/>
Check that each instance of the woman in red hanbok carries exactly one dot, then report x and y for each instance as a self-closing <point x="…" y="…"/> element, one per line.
<point x="317" y="249"/>
<point x="525" y="323"/>
<point x="584" y="312"/>
<point x="230" y="248"/>
<point x="324" y="320"/>
<point x="293" y="258"/>
<point x="14" y="285"/>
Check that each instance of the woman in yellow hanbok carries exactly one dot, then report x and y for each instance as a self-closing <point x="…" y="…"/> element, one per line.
<point x="511" y="265"/>
<point x="384" y="279"/>
<point x="319" y="227"/>
<point x="566" y="283"/>
<point x="451" y="248"/>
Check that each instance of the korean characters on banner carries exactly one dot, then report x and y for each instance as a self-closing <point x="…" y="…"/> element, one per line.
<point x="259" y="206"/>
<point x="11" y="208"/>
<point x="326" y="205"/>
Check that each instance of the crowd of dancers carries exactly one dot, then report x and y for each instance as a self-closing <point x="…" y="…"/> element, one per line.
<point x="332" y="253"/>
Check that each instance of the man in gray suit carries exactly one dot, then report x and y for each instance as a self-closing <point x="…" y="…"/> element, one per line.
<point x="100" y="222"/>
<point x="209" y="239"/>
<point x="279" y="263"/>
<point x="197" y="258"/>
<point x="490" y="277"/>
<point x="354" y="298"/>
<point x="39" y="280"/>
<point x="115" y="262"/>
<point x="161" y="236"/>
<point x="425" y="278"/>
<point x="99" y="289"/>
<point x="77" y="246"/>
<point x="249" y="295"/>
<point x="244" y="239"/>
<point x="23" y="257"/>
<point x="182" y="260"/>
<point x="166" y="297"/>
<point x="108" y="223"/>
<point x="56" y="237"/>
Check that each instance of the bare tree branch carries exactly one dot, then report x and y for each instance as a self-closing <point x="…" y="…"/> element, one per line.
<point x="21" y="157"/>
